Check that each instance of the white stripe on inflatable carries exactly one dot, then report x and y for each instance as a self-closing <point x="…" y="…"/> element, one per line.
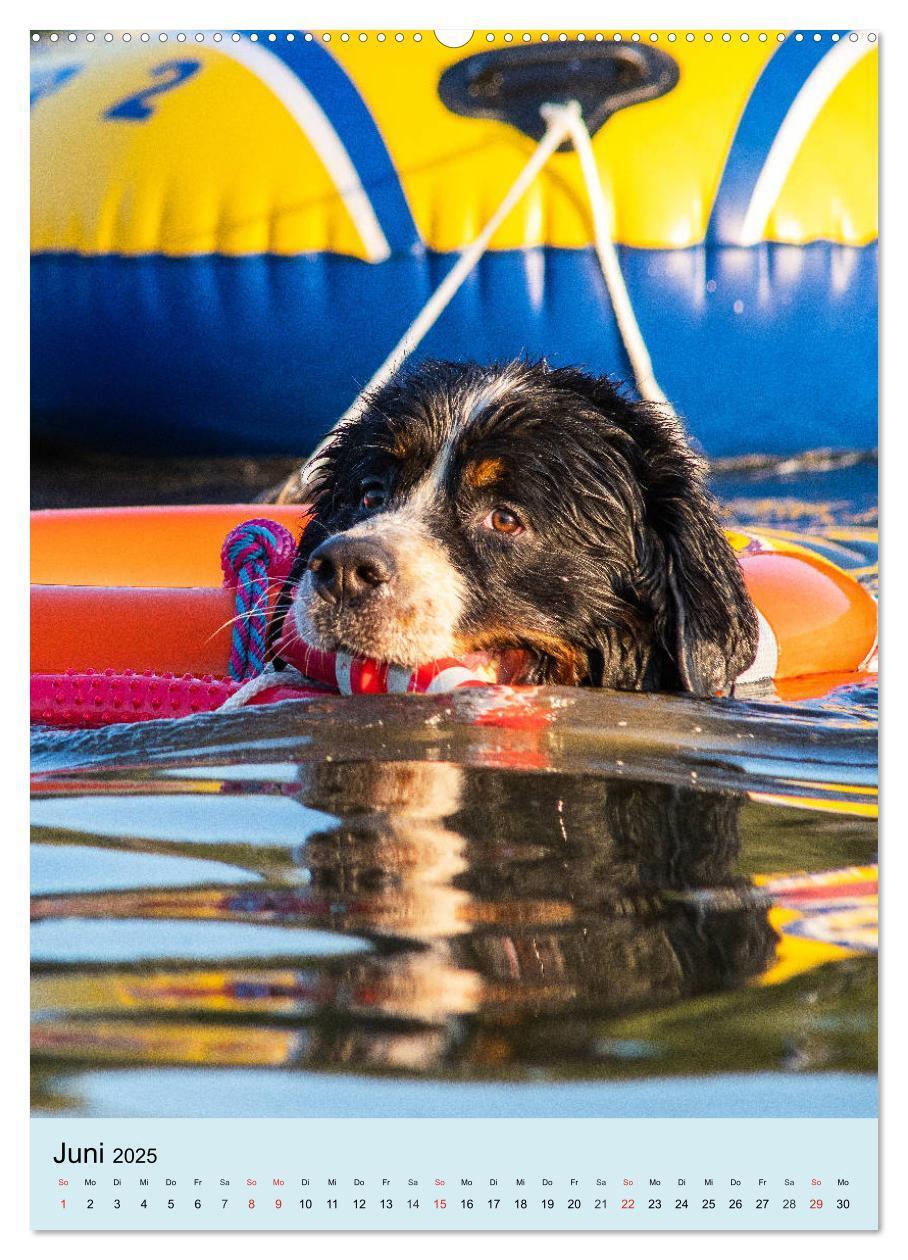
<point x="398" y="680"/>
<point x="316" y="126"/>
<point x="816" y="91"/>
<point x="343" y="663"/>
<point x="871" y="662"/>
<point x="450" y="678"/>
<point x="766" y="661"/>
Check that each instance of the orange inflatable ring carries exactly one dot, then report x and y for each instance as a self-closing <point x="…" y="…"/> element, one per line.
<point x="140" y="589"/>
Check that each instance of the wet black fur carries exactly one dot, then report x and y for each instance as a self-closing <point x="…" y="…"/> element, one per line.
<point x="623" y="578"/>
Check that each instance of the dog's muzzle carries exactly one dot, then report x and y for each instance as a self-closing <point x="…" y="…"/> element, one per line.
<point x="348" y="570"/>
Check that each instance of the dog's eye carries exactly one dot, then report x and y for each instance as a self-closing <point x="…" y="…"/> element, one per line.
<point x="373" y="496"/>
<point x="503" y="521"/>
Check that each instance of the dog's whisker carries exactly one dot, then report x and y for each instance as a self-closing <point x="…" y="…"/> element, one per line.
<point x="249" y="613"/>
<point x="316" y="522"/>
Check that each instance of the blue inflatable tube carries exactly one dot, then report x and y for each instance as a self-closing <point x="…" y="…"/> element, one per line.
<point x="236" y="303"/>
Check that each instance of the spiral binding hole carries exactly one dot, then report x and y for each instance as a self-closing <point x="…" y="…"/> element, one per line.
<point x="453" y="39"/>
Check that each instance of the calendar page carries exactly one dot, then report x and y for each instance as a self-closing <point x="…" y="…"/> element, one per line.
<point x="454" y="629"/>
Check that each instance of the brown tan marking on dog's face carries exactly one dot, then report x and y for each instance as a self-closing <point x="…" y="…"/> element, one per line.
<point x="471" y="508"/>
<point x="484" y="472"/>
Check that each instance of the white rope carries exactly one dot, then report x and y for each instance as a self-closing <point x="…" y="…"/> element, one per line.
<point x="270" y="677"/>
<point x="561" y="121"/>
<point x="631" y="336"/>
<point x="558" y="125"/>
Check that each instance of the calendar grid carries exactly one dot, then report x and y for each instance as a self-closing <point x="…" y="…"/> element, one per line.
<point x="444" y="1175"/>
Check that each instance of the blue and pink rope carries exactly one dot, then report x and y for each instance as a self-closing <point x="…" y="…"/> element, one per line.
<point x="255" y="554"/>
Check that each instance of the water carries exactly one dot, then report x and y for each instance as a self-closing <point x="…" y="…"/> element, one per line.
<point x="559" y="902"/>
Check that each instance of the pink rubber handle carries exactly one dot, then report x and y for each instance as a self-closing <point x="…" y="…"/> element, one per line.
<point x="99" y="699"/>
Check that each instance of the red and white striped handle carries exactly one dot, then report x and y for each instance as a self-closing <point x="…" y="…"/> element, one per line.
<point x="357" y="675"/>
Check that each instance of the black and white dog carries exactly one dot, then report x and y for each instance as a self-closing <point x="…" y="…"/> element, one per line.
<point x="473" y="508"/>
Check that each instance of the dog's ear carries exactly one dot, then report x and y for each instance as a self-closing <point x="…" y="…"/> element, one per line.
<point x="704" y="620"/>
<point x="708" y="626"/>
<point x="713" y="625"/>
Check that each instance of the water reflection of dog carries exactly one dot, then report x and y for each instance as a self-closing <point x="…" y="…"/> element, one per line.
<point x="521" y="901"/>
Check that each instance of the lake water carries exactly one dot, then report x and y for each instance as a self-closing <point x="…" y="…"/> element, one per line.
<point x="547" y="903"/>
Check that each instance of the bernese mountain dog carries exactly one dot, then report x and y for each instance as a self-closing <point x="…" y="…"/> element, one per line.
<point x="472" y="508"/>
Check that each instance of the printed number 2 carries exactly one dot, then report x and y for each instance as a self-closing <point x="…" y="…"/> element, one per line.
<point x="136" y="108"/>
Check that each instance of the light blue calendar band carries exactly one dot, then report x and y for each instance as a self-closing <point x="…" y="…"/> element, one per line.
<point x="366" y="1174"/>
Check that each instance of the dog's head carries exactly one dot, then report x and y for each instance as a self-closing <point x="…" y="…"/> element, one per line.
<point x="482" y="508"/>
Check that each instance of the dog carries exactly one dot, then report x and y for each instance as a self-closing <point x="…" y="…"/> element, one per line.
<point x="473" y="508"/>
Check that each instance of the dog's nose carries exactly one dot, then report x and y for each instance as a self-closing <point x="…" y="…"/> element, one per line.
<point x="349" y="568"/>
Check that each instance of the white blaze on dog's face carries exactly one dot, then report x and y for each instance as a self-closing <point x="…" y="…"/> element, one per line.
<point x="472" y="509"/>
<point x="388" y="586"/>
